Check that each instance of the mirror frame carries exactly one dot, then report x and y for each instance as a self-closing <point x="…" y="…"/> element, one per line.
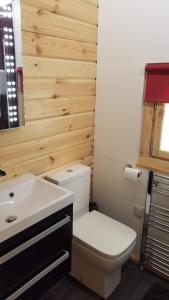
<point x="11" y="67"/>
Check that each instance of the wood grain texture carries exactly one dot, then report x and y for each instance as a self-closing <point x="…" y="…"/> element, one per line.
<point x="38" y="67"/>
<point x="53" y="88"/>
<point x="42" y="21"/>
<point x="20" y="152"/>
<point x="153" y="164"/>
<point x="151" y="157"/>
<point x="76" y="9"/>
<point x="87" y="161"/>
<point x="52" y="47"/>
<point x="59" y="53"/>
<point x="53" y="107"/>
<point x="93" y="2"/>
<point x="147" y="129"/>
<point x="49" y="162"/>
<point x="47" y="127"/>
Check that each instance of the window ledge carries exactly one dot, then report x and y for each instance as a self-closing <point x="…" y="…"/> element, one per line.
<point x="153" y="164"/>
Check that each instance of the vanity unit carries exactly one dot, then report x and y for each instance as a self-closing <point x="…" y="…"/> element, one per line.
<point x="35" y="248"/>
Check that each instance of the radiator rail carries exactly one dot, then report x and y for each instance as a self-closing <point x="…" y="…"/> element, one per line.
<point x="155" y="240"/>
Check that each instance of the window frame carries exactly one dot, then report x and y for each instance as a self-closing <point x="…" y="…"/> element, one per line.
<point x="151" y="157"/>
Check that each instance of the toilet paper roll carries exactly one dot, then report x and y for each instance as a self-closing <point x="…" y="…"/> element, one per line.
<point x="132" y="174"/>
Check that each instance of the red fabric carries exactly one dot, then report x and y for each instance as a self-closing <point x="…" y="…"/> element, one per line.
<point x="19" y="72"/>
<point x="157" y="83"/>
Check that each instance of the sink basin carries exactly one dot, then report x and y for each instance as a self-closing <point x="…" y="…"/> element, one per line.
<point x="26" y="200"/>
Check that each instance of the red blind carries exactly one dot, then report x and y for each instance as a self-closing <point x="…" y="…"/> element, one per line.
<point x="157" y="83"/>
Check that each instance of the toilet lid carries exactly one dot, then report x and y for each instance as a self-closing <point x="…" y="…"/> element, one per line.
<point x="103" y="234"/>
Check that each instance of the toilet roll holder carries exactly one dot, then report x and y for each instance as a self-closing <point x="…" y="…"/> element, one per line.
<point x="130" y="166"/>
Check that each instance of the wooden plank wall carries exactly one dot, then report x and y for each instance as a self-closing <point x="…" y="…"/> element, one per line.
<point x="59" y="53"/>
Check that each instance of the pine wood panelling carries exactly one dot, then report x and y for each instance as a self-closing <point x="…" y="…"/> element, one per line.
<point x="51" y="161"/>
<point x="42" y="21"/>
<point x="47" y="46"/>
<point x="48" y="88"/>
<point x="59" y="54"/>
<point x="87" y="161"/>
<point x="47" y="108"/>
<point x="18" y="153"/>
<point x="153" y="164"/>
<point x="47" y="127"/>
<point x="93" y="2"/>
<point x="147" y="129"/>
<point x="38" y="67"/>
<point x="75" y="9"/>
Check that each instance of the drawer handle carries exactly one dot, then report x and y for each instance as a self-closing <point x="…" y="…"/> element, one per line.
<point x="34" y="240"/>
<point x="42" y="274"/>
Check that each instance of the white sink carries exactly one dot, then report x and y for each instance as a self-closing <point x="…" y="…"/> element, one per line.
<point x="27" y="200"/>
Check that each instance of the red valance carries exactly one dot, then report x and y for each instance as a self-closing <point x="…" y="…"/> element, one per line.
<point x="157" y="83"/>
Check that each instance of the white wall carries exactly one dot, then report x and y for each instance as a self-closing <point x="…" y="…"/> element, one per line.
<point x="131" y="34"/>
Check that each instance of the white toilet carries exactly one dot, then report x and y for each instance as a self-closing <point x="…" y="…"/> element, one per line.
<point x="100" y="244"/>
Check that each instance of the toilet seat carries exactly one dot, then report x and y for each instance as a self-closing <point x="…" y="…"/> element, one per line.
<point x="103" y="235"/>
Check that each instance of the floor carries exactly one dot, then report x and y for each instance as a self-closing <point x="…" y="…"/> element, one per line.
<point x="134" y="285"/>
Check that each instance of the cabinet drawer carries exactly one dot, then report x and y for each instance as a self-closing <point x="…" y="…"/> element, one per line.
<point x="58" y="262"/>
<point x="42" y="236"/>
<point x="8" y="247"/>
<point x="48" y="249"/>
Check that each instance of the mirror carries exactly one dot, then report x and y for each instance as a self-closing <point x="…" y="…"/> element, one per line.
<point x="11" y="70"/>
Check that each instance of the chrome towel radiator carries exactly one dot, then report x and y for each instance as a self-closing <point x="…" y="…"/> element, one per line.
<point x="155" y="240"/>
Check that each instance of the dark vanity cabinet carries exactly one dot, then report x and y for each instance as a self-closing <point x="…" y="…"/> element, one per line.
<point x="36" y="258"/>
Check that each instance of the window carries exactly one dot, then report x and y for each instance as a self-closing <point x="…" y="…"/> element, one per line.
<point x="164" y="143"/>
<point x="160" y="141"/>
<point x="154" y="153"/>
<point x="154" y="150"/>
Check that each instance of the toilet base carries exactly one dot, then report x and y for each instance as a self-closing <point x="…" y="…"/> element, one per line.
<point x="94" y="278"/>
